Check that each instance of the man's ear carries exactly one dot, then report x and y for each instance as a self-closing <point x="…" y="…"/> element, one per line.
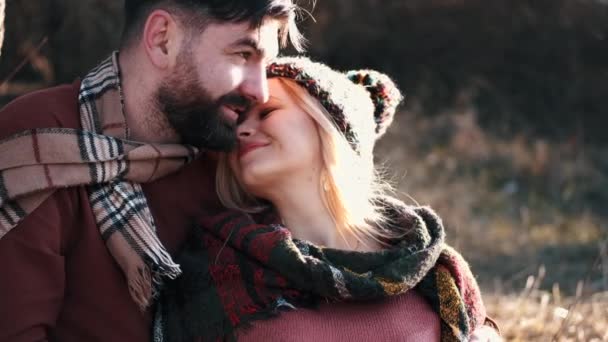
<point x="161" y="39"/>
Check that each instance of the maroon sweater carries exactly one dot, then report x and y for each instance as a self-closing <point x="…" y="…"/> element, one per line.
<point x="58" y="281"/>
<point x="405" y="318"/>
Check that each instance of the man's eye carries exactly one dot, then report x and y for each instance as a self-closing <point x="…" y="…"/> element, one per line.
<point x="244" y="54"/>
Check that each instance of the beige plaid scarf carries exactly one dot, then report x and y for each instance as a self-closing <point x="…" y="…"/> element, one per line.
<point x="35" y="162"/>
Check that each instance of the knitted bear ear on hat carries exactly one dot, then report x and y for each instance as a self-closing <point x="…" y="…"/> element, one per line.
<point x="384" y="94"/>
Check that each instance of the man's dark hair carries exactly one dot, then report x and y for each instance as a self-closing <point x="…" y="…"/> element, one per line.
<point x="198" y="13"/>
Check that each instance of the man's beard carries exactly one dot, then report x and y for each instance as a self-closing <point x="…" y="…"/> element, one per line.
<point x="193" y="113"/>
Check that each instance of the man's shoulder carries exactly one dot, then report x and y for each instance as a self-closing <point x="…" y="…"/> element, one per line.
<point x="51" y="107"/>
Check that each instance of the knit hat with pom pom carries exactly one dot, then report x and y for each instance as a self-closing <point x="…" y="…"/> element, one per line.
<point x="361" y="103"/>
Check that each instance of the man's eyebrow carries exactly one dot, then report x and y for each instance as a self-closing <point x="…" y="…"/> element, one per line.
<point x="249" y="42"/>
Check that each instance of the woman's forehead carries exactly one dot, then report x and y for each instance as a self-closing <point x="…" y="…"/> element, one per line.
<point x="277" y="91"/>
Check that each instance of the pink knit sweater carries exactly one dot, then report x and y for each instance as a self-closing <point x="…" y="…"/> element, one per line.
<point x="404" y="318"/>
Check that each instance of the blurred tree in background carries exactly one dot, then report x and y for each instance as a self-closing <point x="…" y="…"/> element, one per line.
<point x="59" y="40"/>
<point x="2" y="5"/>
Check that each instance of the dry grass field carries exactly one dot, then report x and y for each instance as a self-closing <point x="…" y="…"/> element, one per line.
<point x="535" y="315"/>
<point x="528" y="214"/>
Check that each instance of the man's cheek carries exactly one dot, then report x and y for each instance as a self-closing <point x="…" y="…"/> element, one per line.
<point x="236" y="75"/>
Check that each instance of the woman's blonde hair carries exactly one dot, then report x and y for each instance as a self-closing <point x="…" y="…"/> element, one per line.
<point x="349" y="180"/>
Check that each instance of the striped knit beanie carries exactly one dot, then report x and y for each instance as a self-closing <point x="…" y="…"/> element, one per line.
<point x="362" y="103"/>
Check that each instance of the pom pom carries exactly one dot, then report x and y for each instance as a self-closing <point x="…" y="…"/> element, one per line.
<point x="384" y="94"/>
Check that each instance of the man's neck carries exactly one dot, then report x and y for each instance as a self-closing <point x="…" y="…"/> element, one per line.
<point x="145" y="122"/>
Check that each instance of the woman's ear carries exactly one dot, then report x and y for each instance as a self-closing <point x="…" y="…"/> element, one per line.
<point x="161" y="39"/>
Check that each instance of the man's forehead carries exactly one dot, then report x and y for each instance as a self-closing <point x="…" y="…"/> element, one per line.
<point x="263" y="37"/>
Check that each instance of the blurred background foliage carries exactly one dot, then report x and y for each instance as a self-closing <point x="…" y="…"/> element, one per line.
<point x="539" y="66"/>
<point x="503" y="130"/>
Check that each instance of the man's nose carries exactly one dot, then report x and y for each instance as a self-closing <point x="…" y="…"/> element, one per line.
<point x="255" y="85"/>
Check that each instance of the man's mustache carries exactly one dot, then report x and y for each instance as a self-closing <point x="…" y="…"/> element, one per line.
<point x="241" y="103"/>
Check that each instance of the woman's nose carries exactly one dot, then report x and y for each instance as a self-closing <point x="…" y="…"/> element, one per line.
<point x="246" y="128"/>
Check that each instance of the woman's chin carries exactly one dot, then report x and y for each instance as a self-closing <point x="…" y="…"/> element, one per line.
<point x="254" y="179"/>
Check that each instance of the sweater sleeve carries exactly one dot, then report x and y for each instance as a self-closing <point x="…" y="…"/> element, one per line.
<point x="32" y="271"/>
<point x="32" y="268"/>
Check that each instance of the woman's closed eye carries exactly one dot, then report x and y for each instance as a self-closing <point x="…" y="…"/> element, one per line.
<point x="266" y="112"/>
<point x="261" y="114"/>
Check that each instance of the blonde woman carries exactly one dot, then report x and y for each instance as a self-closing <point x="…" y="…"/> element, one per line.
<point x="311" y="248"/>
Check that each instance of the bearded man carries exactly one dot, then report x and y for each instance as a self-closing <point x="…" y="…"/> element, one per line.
<point x="99" y="179"/>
